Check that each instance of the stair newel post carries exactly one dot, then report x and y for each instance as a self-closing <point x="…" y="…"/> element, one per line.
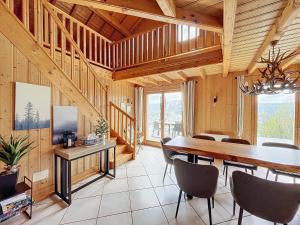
<point x="106" y="101"/>
<point x="134" y="138"/>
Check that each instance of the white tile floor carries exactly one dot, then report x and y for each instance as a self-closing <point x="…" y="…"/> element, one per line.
<point x="139" y="197"/>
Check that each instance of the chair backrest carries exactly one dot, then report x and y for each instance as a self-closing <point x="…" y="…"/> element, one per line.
<point x="236" y="140"/>
<point x="196" y="180"/>
<point x="204" y="137"/>
<point x="280" y="145"/>
<point x="273" y="201"/>
<point x="167" y="154"/>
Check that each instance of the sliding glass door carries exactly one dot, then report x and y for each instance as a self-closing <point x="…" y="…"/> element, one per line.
<point x="163" y="115"/>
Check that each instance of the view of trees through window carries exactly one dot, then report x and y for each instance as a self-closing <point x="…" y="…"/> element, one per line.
<point x="275" y="118"/>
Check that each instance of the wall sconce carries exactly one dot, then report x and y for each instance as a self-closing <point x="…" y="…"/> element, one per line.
<point x="215" y="99"/>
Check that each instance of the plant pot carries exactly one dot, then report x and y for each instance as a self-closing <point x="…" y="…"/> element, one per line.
<point x="8" y="182"/>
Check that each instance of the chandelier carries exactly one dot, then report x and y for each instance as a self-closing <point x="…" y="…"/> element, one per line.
<point x="274" y="79"/>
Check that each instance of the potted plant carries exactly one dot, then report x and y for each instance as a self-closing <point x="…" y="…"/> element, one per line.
<point x="101" y="128"/>
<point x="11" y="152"/>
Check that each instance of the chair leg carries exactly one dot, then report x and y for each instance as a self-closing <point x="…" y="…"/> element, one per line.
<point x="170" y="169"/>
<point x="226" y="175"/>
<point x="276" y="177"/>
<point x="234" y="206"/>
<point x="294" y="180"/>
<point x="268" y="171"/>
<point x="209" y="211"/>
<point x="240" y="217"/>
<point x="224" y="170"/>
<point x="213" y="201"/>
<point x="178" y="203"/>
<point x="252" y="172"/>
<point x="246" y="170"/>
<point x="165" y="172"/>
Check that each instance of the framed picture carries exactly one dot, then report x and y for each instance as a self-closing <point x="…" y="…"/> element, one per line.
<point x="32" y="106"/>
<point x="64" y="119"/>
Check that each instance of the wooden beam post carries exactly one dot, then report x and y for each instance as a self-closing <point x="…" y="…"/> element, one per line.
<point x="148" y="10"/>
<point x="182" y="75"/>
<point x="228" y="24"/>
<point x="289" y="14"/>
<point x="168" y="7"/>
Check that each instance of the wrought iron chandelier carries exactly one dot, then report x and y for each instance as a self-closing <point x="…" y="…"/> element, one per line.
<point x="274" y="79"/>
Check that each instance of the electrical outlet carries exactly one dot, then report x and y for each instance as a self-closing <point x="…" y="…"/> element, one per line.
<point x="40" y="175"/>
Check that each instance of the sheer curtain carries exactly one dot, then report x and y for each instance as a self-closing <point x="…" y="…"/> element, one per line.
<point x="139" y="107"/>
<point x="240" y="107"/>
<point x="188" y="106"/>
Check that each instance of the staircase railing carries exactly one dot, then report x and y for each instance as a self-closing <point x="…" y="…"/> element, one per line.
<point x="49" y="29"/>
<point x="123" y="125"/>
<point x="160" y="43"/>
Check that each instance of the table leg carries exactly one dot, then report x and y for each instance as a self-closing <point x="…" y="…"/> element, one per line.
<point x="69" y="182"/>
<point x="100" y="162"/>
<point x="191" y="159"/>
<point x="115" y="161"/>
<point x="55" y="174"/>
<point x="106" y="158"/>
<point x="63" y="180"/>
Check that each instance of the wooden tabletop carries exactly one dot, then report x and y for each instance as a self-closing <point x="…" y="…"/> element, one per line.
<point x="81" y="151"/>
<point x="276" y="158"/>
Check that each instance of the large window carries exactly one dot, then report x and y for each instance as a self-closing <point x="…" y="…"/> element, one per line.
<point x="163" y="115"/>
<point x="276" y="118"/>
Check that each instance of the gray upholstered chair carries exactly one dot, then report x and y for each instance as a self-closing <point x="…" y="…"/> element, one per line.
<point x="279" y="172"/>
<point x="227" y="163"/>
<point x="269" y="200"/>
<point x="196" y="180"/>
<point x="169" y="155"/>
<point x="204" y="158"/>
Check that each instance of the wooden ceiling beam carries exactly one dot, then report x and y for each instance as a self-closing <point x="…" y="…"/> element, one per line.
<point x="89" y="19"/>
<point x="289" y="14"/>
<point x="165" y="78"/>
<point x="228" y="24"/>
<point x="202" y="73"/>
<point x="150" y="10"/>
<point x="112" y="21"/>
<point x="182" y="75"/>
<point x="151" y="80"/>
<point x="136" y="24"/>
<point x="168" y="7"/>
<point x="73" y="9"/>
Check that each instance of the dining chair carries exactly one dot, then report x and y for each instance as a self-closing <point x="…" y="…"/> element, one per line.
<point x="279" y="172"/>
<point x="269" y="200"/>
<point x="196" y="180"/>
<point x="227" y="163"/>
<point x="169" y="156"/>
<point x="205" y="158"/>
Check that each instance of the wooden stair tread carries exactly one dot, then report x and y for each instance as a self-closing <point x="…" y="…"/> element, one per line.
<point x="121" y="158"/>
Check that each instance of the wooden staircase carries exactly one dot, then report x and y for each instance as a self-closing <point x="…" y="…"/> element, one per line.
<point x="54" y="46"/>
<point x="124" y="132"/>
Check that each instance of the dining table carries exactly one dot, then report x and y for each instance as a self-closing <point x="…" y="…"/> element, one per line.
<point x="283" y="159"/>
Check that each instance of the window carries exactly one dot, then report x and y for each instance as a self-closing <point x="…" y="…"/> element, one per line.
<point x="276" y="118"/>
<point x="163" y="115"/>
<point x="184" y="34"/>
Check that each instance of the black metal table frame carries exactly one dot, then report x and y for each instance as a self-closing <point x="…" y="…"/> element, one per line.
<point x="66" y="177"/>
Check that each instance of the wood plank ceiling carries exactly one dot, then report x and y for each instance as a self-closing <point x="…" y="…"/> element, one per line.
<point x="253" y="23"/>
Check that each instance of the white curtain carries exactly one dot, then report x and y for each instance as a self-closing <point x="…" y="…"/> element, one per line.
<point x="240" y="107"/>
<point x="188" y="101"/>
<point x="139" y="107"/>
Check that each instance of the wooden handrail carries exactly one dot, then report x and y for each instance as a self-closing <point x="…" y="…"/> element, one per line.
<point x="123" y="125"/>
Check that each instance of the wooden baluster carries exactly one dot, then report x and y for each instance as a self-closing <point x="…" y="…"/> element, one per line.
<point x="95" y="47"/>
<point x="181" y="28"/>
<point x="121" y="54"/>
<point x="79" y="37"/>
<point x="117" y="56"/>
<point x="109" y="55"/>
<point x="158" y="40"/>
<point x="197" y="37"/>
<point x="72" y="51"/>
<point x="147" y="46"/>
<point x="152" y="44"/>
<point x="142" y="53"/>
<point x="130" y="135"/>
<point x="97" y="50"/>
<point x="25" y="13"/>
<point x="40" y="17"/>
<point x="63" y="45"/>
<point x="170" y="39"/>
<point x="46" y="32"/>
<point x="138" y="49"/>
<point x="118" y="125"/>
<point x="105" y="62"/>
<point x="52" y="38"/>
<point x="35" y="18"/>
<point x="110" y="112"/>
<point x="125" y="54"/>
<point x="84" y="42"/>
<point x="90" y="45"/>
<point x="189" y="38"/>
<point x="135" y="138"/>
<point x="163" y="41"/>
<point x="100" y="51"/>
<point x="114" y="56"/>
<point x="176" y="38"/>
<point x="204" y="38"/>
<point x="133" y="49"/>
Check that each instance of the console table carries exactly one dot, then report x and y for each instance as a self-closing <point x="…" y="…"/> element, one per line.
<point x="66" y="156"/>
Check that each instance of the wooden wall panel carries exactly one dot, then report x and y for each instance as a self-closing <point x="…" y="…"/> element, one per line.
<point x="15" y="67"/>
<point x="219" y="117"/>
